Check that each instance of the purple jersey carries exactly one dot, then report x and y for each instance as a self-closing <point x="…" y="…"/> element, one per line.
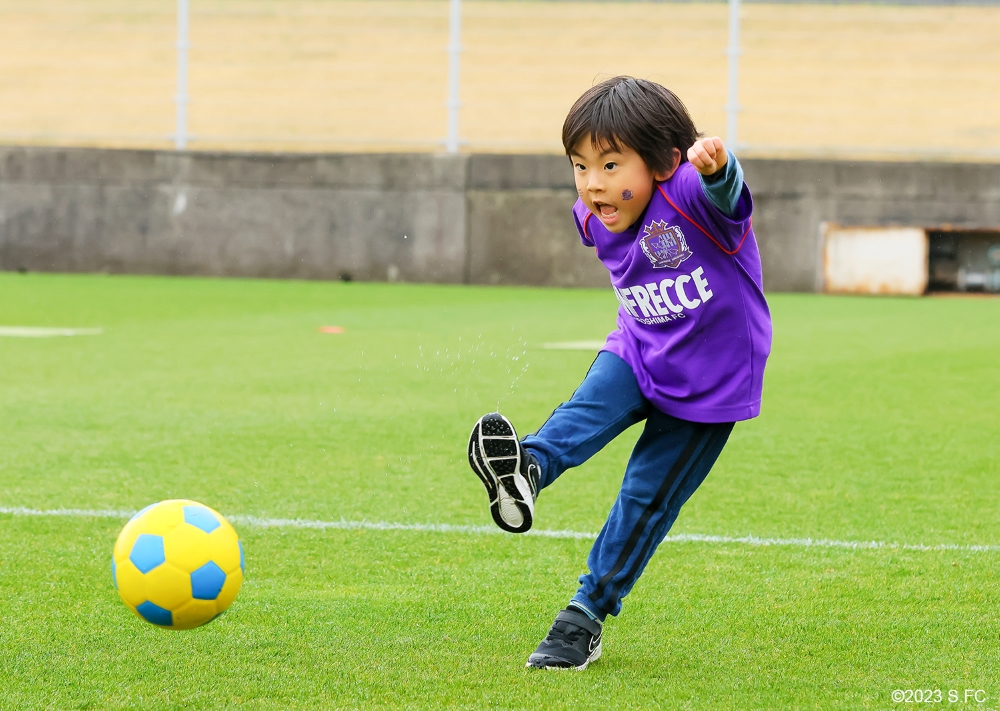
<point x="693" y="323"/>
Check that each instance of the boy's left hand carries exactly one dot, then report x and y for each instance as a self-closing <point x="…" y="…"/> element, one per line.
<point x="708" y="155"/>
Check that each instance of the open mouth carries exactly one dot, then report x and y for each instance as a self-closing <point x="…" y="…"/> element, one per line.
<point x="608" y="212"/>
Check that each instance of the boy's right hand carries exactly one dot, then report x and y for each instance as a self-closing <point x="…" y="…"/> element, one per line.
<point x="708" y="155"/>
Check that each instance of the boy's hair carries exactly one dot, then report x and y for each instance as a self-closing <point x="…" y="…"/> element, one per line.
<point x="639" y="114"/>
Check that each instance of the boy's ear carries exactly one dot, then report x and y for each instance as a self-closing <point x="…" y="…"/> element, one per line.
<point x="669" y="173"/>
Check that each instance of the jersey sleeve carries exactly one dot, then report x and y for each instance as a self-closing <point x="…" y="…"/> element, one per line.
<point x="581" y="216"/>
<point x="727" y="230"/>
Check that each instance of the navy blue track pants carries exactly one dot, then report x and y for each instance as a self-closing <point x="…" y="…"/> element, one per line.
<point x="670" y="460"/>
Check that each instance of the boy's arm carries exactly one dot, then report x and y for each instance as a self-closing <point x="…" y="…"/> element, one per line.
<point x="723" y="187"/>
<point x="720" y="173"/>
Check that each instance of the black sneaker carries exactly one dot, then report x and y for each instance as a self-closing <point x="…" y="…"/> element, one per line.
<point x="509" y="473"/>
<point x="573" y="642"/>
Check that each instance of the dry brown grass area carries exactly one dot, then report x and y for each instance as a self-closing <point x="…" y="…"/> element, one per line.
<point x="350" y="75"/>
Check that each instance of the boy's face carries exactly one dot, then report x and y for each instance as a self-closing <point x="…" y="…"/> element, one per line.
<point x="614" y="185"/>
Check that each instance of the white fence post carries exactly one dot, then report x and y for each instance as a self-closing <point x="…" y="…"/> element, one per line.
<point x="181" y="100"/>
<point x="733" y="51"/>
<point x="454" y="64"/>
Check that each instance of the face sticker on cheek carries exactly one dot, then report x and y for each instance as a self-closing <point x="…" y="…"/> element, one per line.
<point x="626" y="194"/>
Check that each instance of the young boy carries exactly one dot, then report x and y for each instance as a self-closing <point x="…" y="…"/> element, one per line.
<point x="669" y="216"/>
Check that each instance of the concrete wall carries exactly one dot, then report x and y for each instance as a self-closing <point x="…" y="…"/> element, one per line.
<point x="415" y="217"/>
<point x="308" y="216"/>
<point x="793" y="199"/>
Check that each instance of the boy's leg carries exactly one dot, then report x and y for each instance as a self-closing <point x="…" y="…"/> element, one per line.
<point x="670" y="460"/>
<point x="607" y="403"/>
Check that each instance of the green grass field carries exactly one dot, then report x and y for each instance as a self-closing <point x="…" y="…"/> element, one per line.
<point x="881" y="423"/>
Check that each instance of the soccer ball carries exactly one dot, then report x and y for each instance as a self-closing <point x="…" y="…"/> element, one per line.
<point x="177" y="564"/>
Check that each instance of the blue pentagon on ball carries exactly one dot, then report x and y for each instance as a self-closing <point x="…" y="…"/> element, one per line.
<point x="147" y="552"/>
<point x="201" y="518"/>
<point x="151" y="612"/>
<point x="207" y="582"/>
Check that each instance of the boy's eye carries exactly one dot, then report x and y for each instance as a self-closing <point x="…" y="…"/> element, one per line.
<point x="610" y="166"/>
<point x="581" y="167"/>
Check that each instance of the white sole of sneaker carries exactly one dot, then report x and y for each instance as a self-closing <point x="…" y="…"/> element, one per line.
<point x="495" y="457"/>
<point x="595" y="655"/>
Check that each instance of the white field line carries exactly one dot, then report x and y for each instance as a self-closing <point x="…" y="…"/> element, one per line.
<point x="574" y="346"/>
<point x="258" y="522"/>
<point x="39" y="332"/>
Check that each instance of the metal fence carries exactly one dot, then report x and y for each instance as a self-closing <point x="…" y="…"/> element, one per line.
<point x="878" y="80"/>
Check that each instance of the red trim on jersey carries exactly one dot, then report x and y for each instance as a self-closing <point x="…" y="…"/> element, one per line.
<point x="704" y="231"/>
<point x="592" y="240"/>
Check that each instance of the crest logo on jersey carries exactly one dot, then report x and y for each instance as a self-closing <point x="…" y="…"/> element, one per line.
<point x="664" y="245"/>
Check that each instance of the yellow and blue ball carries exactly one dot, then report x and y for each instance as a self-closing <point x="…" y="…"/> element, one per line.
<point x="177" y="564"/>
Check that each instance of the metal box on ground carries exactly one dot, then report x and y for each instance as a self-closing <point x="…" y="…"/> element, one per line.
<point x="909" y="260"/>
<point x="874" y="260"/>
